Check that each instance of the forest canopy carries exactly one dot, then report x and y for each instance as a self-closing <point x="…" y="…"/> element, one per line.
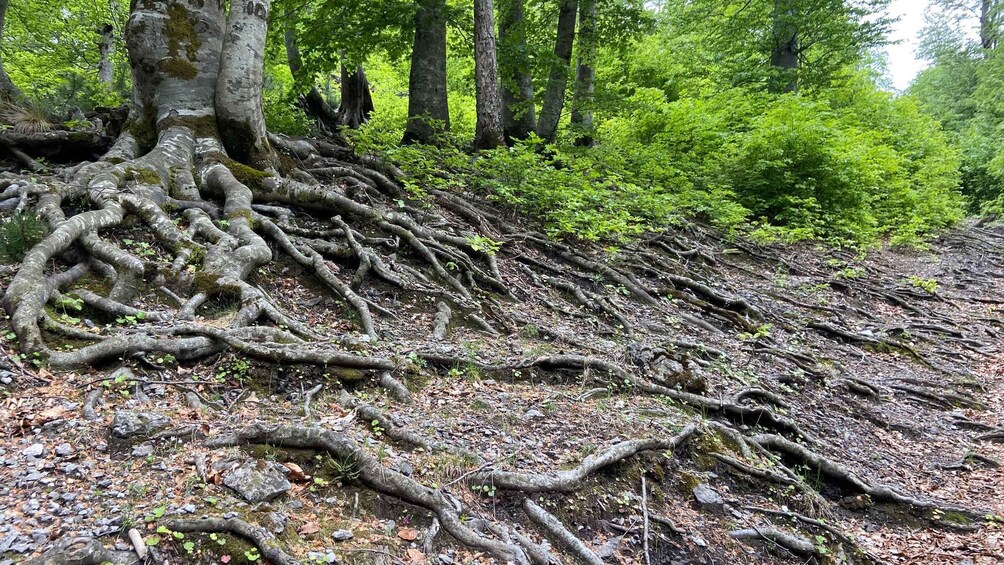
<point x="767" y="117"/>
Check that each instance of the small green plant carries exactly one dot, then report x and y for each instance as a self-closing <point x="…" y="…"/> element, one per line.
<point x="928" y="285"/>
<point x="377" y="428"/>
<point x="18" y="234"/>
<point x="484" y="244"/>
<point x="762" y="331"/>
<point x="850" y="273"/>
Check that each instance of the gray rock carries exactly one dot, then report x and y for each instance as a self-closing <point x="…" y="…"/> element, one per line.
<point x="608" y="550"/>
<point x="258" y="481"/>
<point x="707" y="497"/>
<point x="533" y="414"/>
<point x="142" y="450"/>
<point x="128" y="424"/>
<point x="64" y="450"/>
<point x="276" y="522"/>
<point x="36" y="450"/>
<point x="341" y="535"/>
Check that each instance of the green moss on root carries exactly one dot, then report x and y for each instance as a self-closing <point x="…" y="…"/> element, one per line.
<point x="178" y="68"/>
<point x="180" y="32"/>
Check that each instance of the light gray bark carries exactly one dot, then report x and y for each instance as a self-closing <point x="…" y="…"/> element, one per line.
<point x="554" y="96"/>
<point x="582" y="97"/>
<point x="428" y="109"/>
<point x="489" y="132"/>
<point x="106" y="71"/>
<point x="518" y="113"/>
<point x="239" y="85"/>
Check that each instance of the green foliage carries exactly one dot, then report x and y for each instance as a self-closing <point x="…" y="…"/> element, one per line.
<point x="18" y="234"/>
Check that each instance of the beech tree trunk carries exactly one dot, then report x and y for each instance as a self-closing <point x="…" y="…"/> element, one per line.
<point x="9" y="92"/>
<point x="784" y="56"/>
<point x="428" y="109"/>
<point x="357" y="102"/>
<point x="582" y="97"/>
<point x="106" y="71"/>
<point x="518" y="115"/>
<point x="554" y="96"/>
<point x="489" y="132"/>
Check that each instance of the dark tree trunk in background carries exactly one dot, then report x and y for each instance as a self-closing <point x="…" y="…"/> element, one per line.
<point x="428" y="109"/>
<point x="313" y="102"/>
<point x="489" y="132"/>
<point x="8" y="91"/>
<point x="585" y="73"/>
<point x="357" y="102"/>
<point x="784" y="56"/>
<point x="988" y="24"/>
<point x="518" y="115"/>
<point x="106" y="71"/>
<point x="554" y="96"/>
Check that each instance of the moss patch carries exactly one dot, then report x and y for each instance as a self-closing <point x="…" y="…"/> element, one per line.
<point x="180" y="32"/>
<point x="178" y="68"/>
<point x="201" y="126"/>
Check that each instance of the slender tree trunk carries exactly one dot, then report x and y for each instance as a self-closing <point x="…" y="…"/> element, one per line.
<point x="518" y="116"/>
<point x="428" y="109"/>
<point x="784" y="56"/>
<point x="357" y="102"/>
<point x="554" y="96"/>
<point x="9" y="92"/>
<point x="106" y="71"/>
<point x="988" y="24"/>
<point x="489" y="132"/>
<point x="585" y="73"/>
<point x="313" y="102"/>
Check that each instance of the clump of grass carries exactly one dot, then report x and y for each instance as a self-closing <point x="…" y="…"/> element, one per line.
<point x="18" y="234"/>
<point x="26" y="120"/>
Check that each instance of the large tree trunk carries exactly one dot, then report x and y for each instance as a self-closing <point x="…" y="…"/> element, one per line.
<point x="357" y="102"/>
<point x="428" y="109"/>
<point x="489" y="132"/>
<point x="582" y="96"/>
<point x="518" y="115"/>
<point x="9" y="92"/>
<point x="784" y="55"/>
<point x="554" y="96"/>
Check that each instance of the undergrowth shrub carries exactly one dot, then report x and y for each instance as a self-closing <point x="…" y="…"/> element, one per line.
<point x="18" y="234"/>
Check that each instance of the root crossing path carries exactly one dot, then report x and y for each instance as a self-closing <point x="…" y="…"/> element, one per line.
<point x="436" y="381"/>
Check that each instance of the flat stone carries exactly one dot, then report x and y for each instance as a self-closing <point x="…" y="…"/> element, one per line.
<point x="127" y="424"/>
<point x="35" y="450"/>
<point x="706" y="496"/>
<point x="533" y="414"/>
<point x="258" y="481"/>
<point x="341" y="535"/>
<point x="64" y="450"/>
<point x="142" y="450"/>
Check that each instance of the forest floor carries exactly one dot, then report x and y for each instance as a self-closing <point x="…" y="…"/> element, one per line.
<point x="884" y="370"/>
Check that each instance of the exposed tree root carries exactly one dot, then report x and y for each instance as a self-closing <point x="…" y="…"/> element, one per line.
<point x="791" y="542"/>
<point x="266" y="543"/>
<point x="558" y="531"/>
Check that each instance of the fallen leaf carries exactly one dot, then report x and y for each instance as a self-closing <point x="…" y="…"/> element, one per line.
<point x="309" y="528"/>
<point x="225" y="559"/>
<point x="415" y="556"/>
<point x="296" y="474"/>
<point x="408" y="534"/>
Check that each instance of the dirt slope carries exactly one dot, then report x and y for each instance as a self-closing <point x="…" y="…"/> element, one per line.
<point x="779" y="404"/>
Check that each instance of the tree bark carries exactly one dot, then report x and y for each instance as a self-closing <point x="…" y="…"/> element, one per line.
<point x="9" y="92"/>
<point x="489" y="132"/>
<point x="106" y="71"/>
<point x="988" y="24"/>
<point x="784" y="56"/>
<point x="357" y="102"/>
<point x="239" y="85"/>
<point x="582" y="96"/>
<point x="428" y="108"/>
<point x="518" y="115"/>
<point x="554" y="96"/>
